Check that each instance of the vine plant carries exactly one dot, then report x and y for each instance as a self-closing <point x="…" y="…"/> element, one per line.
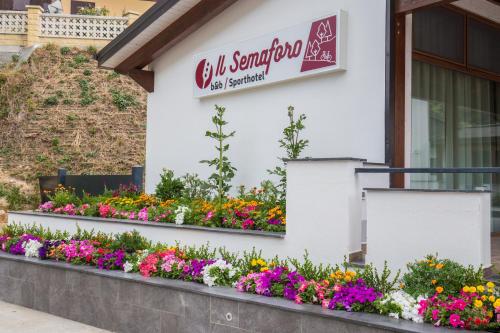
<point x="293" y="145"/>
<point x="221" y="178"/>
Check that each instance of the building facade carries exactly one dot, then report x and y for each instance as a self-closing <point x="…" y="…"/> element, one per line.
<point x="419" y="87"/>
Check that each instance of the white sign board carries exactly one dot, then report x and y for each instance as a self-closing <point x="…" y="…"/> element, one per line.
<point x="302" y="50"/>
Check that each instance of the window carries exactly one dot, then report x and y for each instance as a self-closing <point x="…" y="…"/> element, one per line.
<point x="440" y="32"/>
<point x="483" y="48"/>
<point x="455" y="100"/>
<point x="457" y="39"/>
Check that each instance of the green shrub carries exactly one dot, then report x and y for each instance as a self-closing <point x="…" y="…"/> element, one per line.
<point x="63" y="196"/>
<point x="60" y="94"/>
<point x="87" y="95"/>
<point x="384" y="282"/>
<point x="80" y="59"/>
<point x="169" y="187"/>
<point x="68" y="101"/>
<point x="16" y="199"/>
<point x="50" y="101"/>
<point x="122" y="100"/>
<point x="196" y="188"/>
<point x="93" y="11"/>
<point x="15" y="58"/>
<point x="424" y="276"/>
<point x="65" y="50"/>
<point x="92" y="50"/>
<point x="113" y="75"/>
<point x="3" y="79"/>
<point x="87" y="72"/>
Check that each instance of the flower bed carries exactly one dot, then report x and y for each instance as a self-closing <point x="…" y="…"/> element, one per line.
<point x="254" y="210"/>
<point x="434" y="290"/>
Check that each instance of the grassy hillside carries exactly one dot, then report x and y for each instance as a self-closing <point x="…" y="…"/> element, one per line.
<point x="59" y="110"/>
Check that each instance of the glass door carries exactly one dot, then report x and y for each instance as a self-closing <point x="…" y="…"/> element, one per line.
<point x="454" y="123"/>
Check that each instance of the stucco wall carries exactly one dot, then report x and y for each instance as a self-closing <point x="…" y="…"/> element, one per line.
<point x="345" y="110"/>
<point x="116" y="8"/>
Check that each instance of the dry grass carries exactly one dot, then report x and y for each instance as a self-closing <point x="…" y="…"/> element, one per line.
<point x="36" y="138"/>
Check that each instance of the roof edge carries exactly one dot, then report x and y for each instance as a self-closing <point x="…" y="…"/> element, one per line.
<point x="145" y="20"/>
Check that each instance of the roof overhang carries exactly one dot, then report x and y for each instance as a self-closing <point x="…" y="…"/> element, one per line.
<point x="165" y="24"/>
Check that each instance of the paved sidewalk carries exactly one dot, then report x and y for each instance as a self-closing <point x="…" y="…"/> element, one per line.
<point x="18" y="319"/>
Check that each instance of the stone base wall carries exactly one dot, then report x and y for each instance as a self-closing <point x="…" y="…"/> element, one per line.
<point x="123" y="302"/>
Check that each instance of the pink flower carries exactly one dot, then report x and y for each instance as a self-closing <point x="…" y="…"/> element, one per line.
<point x="143" y="214"/>
<point x="247" y="224"/>
<point x="325" y="303"/>
<point x="298" y="299"/>
<point x="131" y="216"/>
<point x="435" y="314"/>
<point x="210" y="214"/>
<point x="455" y="321"/>
<point x="422" y="306"/>
<point x="46" y="207"/>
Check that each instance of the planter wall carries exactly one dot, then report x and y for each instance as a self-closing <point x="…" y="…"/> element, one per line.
<point x="124" y="302"/>
<point x="323" y="209"/>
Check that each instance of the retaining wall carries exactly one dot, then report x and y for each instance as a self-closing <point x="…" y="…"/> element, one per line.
<point x="123" y="302"/>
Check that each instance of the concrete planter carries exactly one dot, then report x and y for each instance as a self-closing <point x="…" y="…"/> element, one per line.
<point x="124" y="302"/>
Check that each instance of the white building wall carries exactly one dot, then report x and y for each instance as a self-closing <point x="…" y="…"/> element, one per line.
<point x="345" y="110"/>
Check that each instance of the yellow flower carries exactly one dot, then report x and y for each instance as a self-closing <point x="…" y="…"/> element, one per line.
<point x="439" y="290"/>
<point x="434" y="281"/>
<point x="348" y="278"/>
<point x="432" y="264"/>
<point x="484" y="298"/>
<point x="490" y="314"/>
<point x="466" y="289"/>
<point x="490" y="285"/>
<point x="263" y="269"/>
<point x="472" y="289"/>
<point x="254" y="262"/>
<point x="491" y="298"/>
<point x="491" y="291"/>
<point x="478" y="303"/>
<point x="480" y="288"/>
<point x="497" y="303"/>
<point x="439" y="266"/>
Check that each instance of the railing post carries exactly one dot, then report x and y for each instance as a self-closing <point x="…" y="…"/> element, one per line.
<point x="61" y="176"/>
<point x="131" y="17"/>
<point x="138" y="177"/>
<point x="34" y="24"/>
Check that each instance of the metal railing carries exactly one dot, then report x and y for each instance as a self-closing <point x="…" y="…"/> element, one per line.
<point x="428" y="170"/>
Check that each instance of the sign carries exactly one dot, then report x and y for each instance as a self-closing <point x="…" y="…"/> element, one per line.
<point x="306" y="49"/>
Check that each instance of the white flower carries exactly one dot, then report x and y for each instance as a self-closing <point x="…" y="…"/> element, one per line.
<point x="408" y="304"/>
<point x="179" y="214"/>
<point x="219" y="273"/>
<point x="31" y="248"/>
<point x="128" y="266"/>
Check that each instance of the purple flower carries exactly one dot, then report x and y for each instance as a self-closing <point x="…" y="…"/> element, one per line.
<point x="18" y="248"/>
<point x="113" y="260"/>
<point x="353" y="293"/>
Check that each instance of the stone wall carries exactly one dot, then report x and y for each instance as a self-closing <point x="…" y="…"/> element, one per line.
<point x="130" y="303"/>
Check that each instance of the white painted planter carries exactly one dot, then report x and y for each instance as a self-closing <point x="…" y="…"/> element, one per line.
<point x="323" y="217"/>
<point x="404" y="225"/>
